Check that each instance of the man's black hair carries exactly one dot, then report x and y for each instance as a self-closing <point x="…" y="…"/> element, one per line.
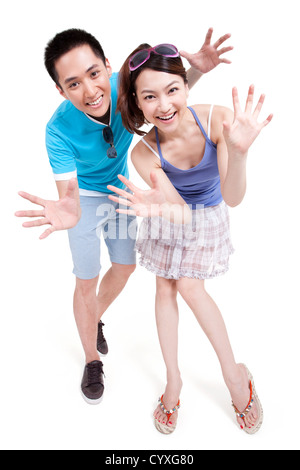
<point x="66" y="41"/>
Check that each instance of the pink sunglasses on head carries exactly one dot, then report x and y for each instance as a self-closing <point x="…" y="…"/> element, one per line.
<point x="140" y="57"/>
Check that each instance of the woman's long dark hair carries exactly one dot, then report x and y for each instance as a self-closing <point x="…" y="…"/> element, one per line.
<point x="132" y="117"/>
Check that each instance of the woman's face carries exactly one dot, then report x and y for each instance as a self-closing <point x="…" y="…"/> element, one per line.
<point x="162" y="97"/>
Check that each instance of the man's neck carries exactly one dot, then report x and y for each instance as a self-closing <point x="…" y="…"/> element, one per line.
<point x="103" y="119"/>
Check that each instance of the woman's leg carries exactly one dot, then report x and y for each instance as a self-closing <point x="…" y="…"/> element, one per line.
<point x="167" y="319"/>
<point x="212" y="323"/>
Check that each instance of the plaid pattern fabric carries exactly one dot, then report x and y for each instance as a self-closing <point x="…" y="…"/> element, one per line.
<point x="199" y="250"/>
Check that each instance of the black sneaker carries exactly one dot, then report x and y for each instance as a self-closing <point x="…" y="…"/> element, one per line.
<point x="92" y="385"/>
<point x="101" y="341"/>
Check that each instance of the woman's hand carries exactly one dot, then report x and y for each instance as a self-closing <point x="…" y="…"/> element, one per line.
<point x="143" y="203"/>
<point x="241" y="134"/>
<point x="60" y="215"/>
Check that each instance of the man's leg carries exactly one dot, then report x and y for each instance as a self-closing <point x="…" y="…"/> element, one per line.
<point x="85" y="311"/>
<point x="112" y="285"/>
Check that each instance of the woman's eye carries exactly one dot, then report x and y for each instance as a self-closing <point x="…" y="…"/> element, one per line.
<point x="149" y="97"/>
<point x="173" y="90"/>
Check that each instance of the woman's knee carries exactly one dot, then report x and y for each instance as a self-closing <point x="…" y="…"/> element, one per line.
<point x="165" y="288"/>
<point x="191" y="288"/>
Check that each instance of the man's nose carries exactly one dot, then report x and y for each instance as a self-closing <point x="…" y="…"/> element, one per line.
<point x="89" y="90"/>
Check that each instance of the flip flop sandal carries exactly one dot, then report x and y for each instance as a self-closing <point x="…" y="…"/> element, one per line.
<point x="254" y="400"/>
<point x="164" y="428"/>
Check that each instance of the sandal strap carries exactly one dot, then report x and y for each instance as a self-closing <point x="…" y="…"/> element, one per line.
<point x="168" y="412"/>
<point x="248" y="407"/>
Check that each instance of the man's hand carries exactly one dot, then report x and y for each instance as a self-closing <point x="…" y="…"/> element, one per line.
<point x="60" y="215"/>
<point x="209" y="55"/>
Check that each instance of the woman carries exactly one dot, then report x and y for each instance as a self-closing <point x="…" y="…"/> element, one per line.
<point x="194" y="159"/>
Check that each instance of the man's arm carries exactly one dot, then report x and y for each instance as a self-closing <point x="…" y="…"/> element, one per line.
<point x="207" y="58"/>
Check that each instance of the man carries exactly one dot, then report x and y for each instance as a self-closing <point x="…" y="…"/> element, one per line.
<point x="88" y="147"/>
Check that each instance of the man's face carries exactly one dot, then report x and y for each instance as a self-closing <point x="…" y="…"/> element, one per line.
<point x="84" y="80"/>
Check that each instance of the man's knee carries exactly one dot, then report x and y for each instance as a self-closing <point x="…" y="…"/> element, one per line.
<point x="123" y="271"/>
<point x="86" y="286"/>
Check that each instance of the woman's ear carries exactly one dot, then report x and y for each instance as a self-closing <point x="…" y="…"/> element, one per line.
<point x="187" y="90"/>
<point x="136" y="100"/>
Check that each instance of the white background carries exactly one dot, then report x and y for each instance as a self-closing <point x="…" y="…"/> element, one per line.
<point x="41" y="356"/>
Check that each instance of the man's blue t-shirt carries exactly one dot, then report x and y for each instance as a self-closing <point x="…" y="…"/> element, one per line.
<point x="76" y="147"/>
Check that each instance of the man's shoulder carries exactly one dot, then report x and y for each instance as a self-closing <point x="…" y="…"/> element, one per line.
<point x="114" y="78"/>
<point x="63" y="114"/>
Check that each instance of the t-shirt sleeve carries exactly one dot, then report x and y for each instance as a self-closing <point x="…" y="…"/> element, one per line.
<point x="60" y="155"/>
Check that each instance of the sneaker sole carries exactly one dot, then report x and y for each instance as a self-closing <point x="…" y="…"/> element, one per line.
<point x="89" y="401"/>
<point x="102" y="354"/>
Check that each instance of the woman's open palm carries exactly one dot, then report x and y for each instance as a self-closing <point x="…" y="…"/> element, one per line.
<point x="241" y="134"/>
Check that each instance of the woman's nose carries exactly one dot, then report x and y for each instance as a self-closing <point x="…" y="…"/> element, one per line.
<point x="164" y="105"/>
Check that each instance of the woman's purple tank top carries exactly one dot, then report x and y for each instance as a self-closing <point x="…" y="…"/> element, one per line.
<point x="198" y="186"/>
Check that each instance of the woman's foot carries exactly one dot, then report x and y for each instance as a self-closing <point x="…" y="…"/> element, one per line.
<point x="240" y="393"/>
<point x="170" y="400"/>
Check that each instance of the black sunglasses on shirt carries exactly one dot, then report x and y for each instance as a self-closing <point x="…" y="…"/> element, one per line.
<point x="109" y="139"/>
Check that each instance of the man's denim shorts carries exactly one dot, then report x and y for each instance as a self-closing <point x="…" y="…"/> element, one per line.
<point x="100" y="219"/>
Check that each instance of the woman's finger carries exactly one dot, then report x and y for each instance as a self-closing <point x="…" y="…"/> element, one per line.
<point x="121" y="201"/>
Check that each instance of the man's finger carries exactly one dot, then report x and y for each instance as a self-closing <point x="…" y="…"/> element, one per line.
<point x="47" y="233"/>
<point x="29" y="213"/>
<point x="221" y="40"/>
<point x="36" y="223"/>
<point x="31" y="198"/>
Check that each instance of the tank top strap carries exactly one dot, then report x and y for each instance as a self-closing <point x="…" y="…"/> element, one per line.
<point x="209" y="121"/>
<point x="199" y="123"/>
<point x="150" y="148"/>
<point x="158" y="145"/>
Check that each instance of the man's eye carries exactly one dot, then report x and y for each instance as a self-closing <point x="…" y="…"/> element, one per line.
<point x="74" y="85"/>
<point x="94" y="74"/>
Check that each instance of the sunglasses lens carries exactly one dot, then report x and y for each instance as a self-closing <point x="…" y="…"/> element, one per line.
<point x="167" y="50"/>
<point x="109" y="139"/>
<point x="138" y="58"/>
<point x="111" y="152"/>
<point x="108" y="135"/>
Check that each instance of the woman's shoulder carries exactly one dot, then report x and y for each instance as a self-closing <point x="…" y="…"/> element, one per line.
<point x="218" y="112"/>
<point x="212" y="117"/>
<point x="145" y="148"/>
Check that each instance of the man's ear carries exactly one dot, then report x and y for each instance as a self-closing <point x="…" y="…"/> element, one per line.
<point x="61" y="91"/>
<point x="108" y="67"/>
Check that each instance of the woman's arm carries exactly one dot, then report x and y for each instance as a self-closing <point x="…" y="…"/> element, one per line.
<point x="237" y="132"/>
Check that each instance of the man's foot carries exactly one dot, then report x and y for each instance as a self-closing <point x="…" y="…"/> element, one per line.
<point x="240" y="394"/>
<point x="102" y="347"/>
<point x="170" y="400"/>
<point x="92" y="385"/>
